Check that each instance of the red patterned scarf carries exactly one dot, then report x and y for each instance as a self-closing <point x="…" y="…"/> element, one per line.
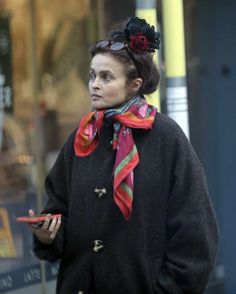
<point x="136" y="113"/>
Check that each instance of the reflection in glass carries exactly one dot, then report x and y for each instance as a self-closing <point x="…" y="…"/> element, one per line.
<point x="35" y="125"/>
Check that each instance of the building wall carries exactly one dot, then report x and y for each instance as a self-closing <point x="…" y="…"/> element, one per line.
<point x="211" y="83"/>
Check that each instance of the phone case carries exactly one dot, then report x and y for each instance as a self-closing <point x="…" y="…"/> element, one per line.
<point x="35" y="219"/>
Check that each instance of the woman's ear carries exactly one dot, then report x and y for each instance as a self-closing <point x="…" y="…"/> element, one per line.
<point x="135" y="85"/>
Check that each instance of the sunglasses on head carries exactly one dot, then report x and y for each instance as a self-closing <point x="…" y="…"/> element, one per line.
<point x="116" y="46"/>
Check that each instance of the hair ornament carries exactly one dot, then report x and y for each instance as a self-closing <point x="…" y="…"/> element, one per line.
<point x="139" y="35"/>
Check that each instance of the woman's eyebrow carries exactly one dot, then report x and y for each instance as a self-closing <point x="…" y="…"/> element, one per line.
<point x="105" y="71"/>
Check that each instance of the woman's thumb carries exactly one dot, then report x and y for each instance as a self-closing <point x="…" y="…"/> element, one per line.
<point x="31" y="212"/>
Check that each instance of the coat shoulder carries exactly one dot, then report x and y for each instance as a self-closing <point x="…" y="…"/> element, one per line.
<point x="167" y="128"/>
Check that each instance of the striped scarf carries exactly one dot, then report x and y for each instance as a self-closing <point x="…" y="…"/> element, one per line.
<point x="136" y="113"/>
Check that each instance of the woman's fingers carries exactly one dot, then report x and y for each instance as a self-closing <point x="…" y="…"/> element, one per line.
<point x="55" y="227"/>
<point x="52" y="224"/>
<point x="46" y="222"/>
<point x="47" y="232"/>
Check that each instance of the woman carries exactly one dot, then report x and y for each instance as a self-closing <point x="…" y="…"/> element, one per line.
<point x="136" y="213"/>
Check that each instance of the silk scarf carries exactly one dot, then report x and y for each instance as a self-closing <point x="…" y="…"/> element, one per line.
<point x="135" y="114"/>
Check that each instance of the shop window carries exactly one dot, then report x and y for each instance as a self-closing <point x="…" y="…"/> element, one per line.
<point x="44" y="63"/>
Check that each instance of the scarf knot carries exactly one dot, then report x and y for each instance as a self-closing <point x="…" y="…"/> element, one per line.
<point x="136" y="113"/>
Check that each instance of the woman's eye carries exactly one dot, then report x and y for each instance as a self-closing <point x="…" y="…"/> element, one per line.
<point x="107" y="77"/>
<point x="92" y="76"/>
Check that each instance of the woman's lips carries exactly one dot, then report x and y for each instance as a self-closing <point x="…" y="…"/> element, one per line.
<point x="95" y="97"/>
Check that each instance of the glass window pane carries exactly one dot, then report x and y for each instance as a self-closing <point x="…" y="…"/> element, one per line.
<point x="44" y="61"/>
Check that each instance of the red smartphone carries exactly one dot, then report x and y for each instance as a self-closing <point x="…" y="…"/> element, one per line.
<point x="36" y="220"/>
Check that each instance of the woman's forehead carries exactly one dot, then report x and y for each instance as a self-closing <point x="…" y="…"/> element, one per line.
<point x="106" y="62"/>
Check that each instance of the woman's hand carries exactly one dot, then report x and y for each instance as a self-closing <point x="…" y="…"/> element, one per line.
<point x="47" y="232"/>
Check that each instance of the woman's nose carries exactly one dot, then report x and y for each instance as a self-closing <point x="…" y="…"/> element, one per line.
<point x="96" y="83"/>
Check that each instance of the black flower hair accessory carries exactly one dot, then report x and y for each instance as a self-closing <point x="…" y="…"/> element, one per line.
<point x="139" y="35"/>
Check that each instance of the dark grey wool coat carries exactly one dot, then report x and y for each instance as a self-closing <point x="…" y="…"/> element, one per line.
<point x="168" y="246"/>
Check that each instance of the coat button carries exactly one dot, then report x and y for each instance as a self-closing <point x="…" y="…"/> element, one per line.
<point x="98" y="245"/>
<point x="100" y="191"/>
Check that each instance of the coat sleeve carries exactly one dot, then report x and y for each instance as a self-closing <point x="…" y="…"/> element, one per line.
<point x="57" y="190"/>
<point x="192" y="229"/>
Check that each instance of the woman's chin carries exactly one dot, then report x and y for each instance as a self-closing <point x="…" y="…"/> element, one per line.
<point x="95" y="105"/>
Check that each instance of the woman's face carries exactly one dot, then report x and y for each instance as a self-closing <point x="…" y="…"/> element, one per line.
<point x="107" y="82"/>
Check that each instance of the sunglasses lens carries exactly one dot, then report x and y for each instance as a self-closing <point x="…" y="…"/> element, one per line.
<point x="103" y="43"/>
<point x="117" y="46"/>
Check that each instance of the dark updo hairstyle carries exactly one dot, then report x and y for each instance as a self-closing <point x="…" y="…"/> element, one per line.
<point x="142" y="41"/>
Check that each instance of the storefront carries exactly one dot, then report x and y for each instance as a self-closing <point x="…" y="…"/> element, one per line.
<point x="43" y="94"/>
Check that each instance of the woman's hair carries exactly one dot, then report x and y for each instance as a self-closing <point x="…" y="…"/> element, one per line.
<point x="137" y="58"/>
